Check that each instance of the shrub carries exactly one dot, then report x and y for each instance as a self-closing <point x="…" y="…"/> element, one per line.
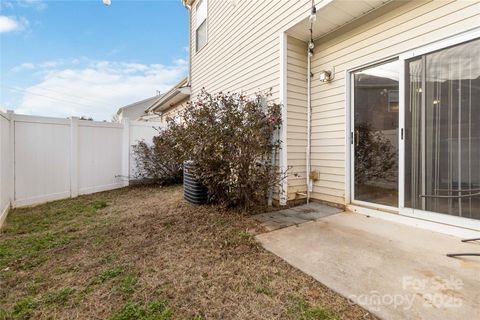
<point x="233" y="142"/>
<point x="158" y="162"/>
<point x="374" y="156"/>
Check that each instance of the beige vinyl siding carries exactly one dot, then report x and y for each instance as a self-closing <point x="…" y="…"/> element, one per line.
<point x="175" y="110"/>
<point x="242" y="52"/>
<point x="412" y="25"/>
<point x="296" y="115"/>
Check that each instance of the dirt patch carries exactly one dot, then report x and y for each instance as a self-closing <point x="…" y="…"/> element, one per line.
<point x="143" y="252"/>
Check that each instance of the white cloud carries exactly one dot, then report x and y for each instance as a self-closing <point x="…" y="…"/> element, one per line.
<point x="46" y="65"/>
<point x="50" y="64"/>
<point x="10" y="24"/>
<point x="23" y="66"/>
<point x="36" y="4"/>
<point x="6" y="4"/>
<point x="98" y="88"/>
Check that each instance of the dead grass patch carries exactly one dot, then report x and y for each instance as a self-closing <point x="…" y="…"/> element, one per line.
<point x="144" y="253"/>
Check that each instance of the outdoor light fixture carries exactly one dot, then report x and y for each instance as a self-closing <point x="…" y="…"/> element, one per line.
<point x="107" y="2"/>
<point x="326" y="76"/>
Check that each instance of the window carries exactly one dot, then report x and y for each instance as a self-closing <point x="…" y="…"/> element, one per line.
<point x="201" y="24"/>
<point x="392" y="100"/>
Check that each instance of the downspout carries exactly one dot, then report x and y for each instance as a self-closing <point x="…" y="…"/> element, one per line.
<point x="309" y="120"/>
<point x="311" y="45"/>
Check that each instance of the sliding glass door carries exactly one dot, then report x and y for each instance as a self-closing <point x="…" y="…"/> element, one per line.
<point x="415" y="134"/>
<point x="375" y="134"/>
<point x="442" y="131"/>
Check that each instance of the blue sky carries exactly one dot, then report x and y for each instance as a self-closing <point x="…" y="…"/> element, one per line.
<point x="64" y="58"/>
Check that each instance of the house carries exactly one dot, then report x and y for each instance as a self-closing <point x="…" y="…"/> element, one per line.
<point x="136" y="110"/>
<point x="171" y="102"/>
<point x="380" y="98"/>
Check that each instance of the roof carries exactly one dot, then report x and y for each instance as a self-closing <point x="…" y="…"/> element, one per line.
<point x="178" y="93"/>
<point x="147" y="102"/>
<point x="187" y="2"/>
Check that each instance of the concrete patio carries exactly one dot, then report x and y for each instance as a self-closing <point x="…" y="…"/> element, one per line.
<point x="393" y="270"/>
<point x="295" y="216"/>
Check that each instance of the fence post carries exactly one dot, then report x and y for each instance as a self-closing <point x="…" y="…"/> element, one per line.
<point x="126" y="152"/>
<point x="74" y="157"/>
<point x="11" y="165"/>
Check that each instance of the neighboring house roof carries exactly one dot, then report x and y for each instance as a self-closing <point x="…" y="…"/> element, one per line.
<point x="178" y="93"/>
<point x="150" y="117"/>
<point x="138" y="105"/>
<point x="187" y="2"/>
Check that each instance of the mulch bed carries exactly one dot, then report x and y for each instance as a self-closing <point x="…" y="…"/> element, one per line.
<point x="143" y="252"/>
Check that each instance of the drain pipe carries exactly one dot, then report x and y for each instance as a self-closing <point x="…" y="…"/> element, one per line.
<point x="311" y="45"/>
<point x="309" y="120"/>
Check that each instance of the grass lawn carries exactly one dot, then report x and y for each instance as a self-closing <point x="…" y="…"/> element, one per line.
<point x="144" y="253"/>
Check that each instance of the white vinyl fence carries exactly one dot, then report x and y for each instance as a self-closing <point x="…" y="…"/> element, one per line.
<point x="44" y="159"/>
<point x="6" y="188"/>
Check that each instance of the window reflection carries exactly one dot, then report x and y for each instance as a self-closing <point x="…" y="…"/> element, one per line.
<point x="442" y="123"/>
<point x="376" y="134"/>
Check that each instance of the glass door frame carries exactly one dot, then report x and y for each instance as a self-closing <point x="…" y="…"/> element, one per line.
<point x="351" y="133"/>
<point x="462" y="222"/>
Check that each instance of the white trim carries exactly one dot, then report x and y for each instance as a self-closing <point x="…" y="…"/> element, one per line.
<point x="373" y="63"/>
<point x="417" y="222"/>
<point x="443" y="218"/>
<point x="350" y="136"/>
<point x="283" y="41"/>
<point x="375" y="206"/>
<point x="201" y="12"/>
<point x="439" y="222"/>
<point x="348" y="139"/>
<point x="198" y="23"/>
<point x="465" y="36"/>
<point x="401" y="134"/>
<point x="319" y="5"/>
